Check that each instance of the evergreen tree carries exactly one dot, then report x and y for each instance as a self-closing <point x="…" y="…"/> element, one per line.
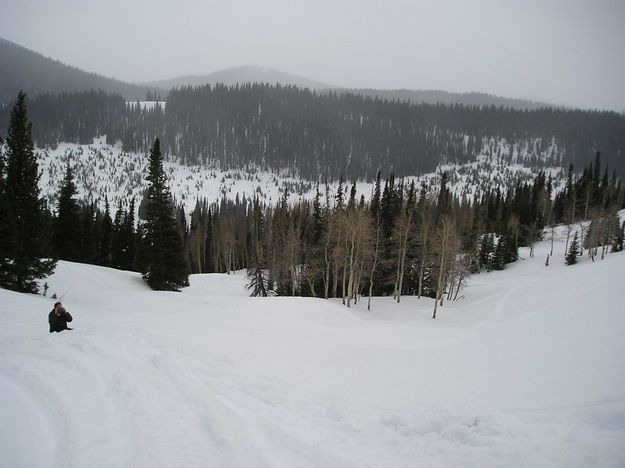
<point x="105" y="233"/>
<point x="340" y="193"/>
<point x="123" y="238"/>
<point x="351" y="204"/>
<point x="571" y="256"/>
<point x="499" y="255"/>
<point x="256" y="270"/>
<point x="487" y="247"/>
<point x="88" y="241"/>
<point x="117" y="238"/>
<point x="26" y="210"/>
<point x="318" y="218"/>
<point x="444" y="198"/>
<point x="6" y="231"/>
<point x="66" y="235"/>
<point x="165" y="267"/>
<point x="129" y="237"/>
<point x="375" y="199"/>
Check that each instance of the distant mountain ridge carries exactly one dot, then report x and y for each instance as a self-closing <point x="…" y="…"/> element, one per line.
<point x="256" y="74"/>
<point x="24" y="69"/>
<point x="435" y="96"/>
<point x="241" y="75"/>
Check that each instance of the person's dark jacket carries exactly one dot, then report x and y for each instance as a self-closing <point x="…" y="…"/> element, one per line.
<point x="58" y="322"/>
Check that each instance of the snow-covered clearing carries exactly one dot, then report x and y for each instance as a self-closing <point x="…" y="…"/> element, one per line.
<point x="527" y="370"/>
<point x="102" y="169"/>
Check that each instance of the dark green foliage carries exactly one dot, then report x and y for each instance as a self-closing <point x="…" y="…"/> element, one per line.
<point x="129" y="237"/>
<point x="120" y="240"/>
<point x="498" y="260"/>
<point x="67" y="225"/>
<point x="340" y="195"/>
<point x="319" y="218"/>
<point x="104" y="235"/>
<point x="164" y="267"/>
<point x="321" y="135"/>
<point x="88" y="241"/>
<point x="7" y="231"/>
<point x="444" y="198"/>
<point x="24" y="209"/>
<point x="222" y="236"/>
<point x="487" y="248"/>
<point x="588" y="194"/>
<point x="257" y="268"/>
<point x="375" y="199"/>
<point x="573" y="253"/>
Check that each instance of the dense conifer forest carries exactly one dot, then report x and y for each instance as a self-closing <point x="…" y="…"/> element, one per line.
<point x="405" y="239"/>
<point x="319" y="136"/>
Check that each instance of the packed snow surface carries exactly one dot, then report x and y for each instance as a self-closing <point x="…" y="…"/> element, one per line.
<point x="526" y="370"/>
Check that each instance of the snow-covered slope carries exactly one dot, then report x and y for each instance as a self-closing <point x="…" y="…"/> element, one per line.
<point x="105" y="170"/>
<point x="526" y="370"/>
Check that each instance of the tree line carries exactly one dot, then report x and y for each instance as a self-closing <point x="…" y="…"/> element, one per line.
<point x="404" y="240"/>
<point x="33" y="237"/>
<point x="320" y="135"/>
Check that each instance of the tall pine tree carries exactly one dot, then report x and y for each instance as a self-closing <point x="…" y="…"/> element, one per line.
<point x="164" y="267"/>
<point x="6" y="232"/>
<point x="25" y="207"/>
<point x="104" y="227"/>
<point x="67" y="226"/>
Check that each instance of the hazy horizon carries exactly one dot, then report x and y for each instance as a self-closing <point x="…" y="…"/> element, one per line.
<point x="561" y="52"/>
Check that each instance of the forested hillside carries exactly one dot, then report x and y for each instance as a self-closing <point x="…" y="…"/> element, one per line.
<point x="23" y="69"/>
<point x="321" y="136"/>
<point x="435" y="96"/>
<point x="238" y="76"/>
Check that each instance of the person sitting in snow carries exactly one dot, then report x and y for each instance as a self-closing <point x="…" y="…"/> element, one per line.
<point x="58" y="318"/>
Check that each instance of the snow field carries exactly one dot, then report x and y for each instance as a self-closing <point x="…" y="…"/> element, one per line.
<point x="526" y="370"/>
<point x="103" y="169"/>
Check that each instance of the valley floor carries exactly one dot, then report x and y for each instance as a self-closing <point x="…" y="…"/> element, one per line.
<point x="527" y="369"/>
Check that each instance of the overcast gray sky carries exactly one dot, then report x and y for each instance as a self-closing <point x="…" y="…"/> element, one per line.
<point x="565" y="52"/>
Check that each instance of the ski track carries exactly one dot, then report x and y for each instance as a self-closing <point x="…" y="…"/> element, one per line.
<point x="218" y="420"/>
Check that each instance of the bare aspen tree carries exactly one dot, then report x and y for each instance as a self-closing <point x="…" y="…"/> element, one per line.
<point x="443" y="239"/>
<point x="587" y="202"/>
<point x="553" y="233"/>
<point x="462" y="276"/>
<point x="349" y="239"/>
<point x="337" y="256"/>
<point x="293" y="250"/>
<point x="374" y="263"/>
<point x="455" y="275"/>
<point x="581" y="237"/>
<point x="532" y="231"/>
<point x="358" y="233"/>
<point x="514" y="228"/>
<point x="404" y="228"/>
<point x="328" y="238"/>
<point x="196" y="245"/>
<point x="345" y="256"/>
